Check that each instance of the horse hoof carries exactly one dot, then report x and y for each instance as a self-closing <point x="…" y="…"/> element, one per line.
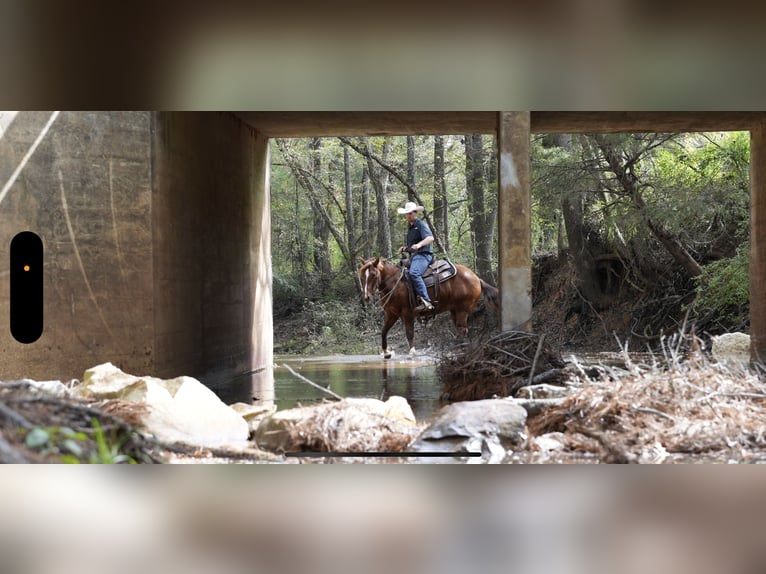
<point x="387" y="354"/>
<point x="413" y="351"/>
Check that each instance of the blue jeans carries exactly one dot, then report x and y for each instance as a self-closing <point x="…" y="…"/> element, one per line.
<point x="418" y="266"/>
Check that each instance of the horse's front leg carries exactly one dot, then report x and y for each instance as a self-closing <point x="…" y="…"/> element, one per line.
<point x="388" y="322"/>
<point x="409" y="331"/>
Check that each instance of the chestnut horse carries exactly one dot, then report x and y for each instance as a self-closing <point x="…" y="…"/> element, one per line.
<point x="458" y="295"/>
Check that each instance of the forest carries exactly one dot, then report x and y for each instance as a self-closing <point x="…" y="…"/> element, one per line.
<point x="634" y="236"/>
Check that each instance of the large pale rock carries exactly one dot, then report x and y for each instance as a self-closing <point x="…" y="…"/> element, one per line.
<point x="350" y="425"/>
<point x="179" y="410"/>
<point x="489" y="426"/>
<point x="254" y="413"/>
<point x="731" y="347"/>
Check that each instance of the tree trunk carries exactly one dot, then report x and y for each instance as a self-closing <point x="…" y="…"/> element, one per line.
<point x="580" y="237"/>
<point x="440" y="193"/>
<point x="350" y="223"/>
<point x="366" y="231"/>
<point x="475" y="183"/>
<point x="321" y="229"/>
<point x="410" y="167"/>
<point x="379" y="179"/>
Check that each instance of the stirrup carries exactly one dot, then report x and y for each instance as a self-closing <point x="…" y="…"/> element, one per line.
<point x="424" y="305"/>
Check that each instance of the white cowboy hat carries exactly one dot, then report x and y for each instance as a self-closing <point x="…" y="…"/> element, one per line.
<point x="409" y="207"/>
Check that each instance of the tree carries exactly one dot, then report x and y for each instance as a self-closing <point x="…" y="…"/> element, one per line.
<point x="623" y="163"/>
<point x="410" y="167"/>
<point x="321" y="222"/>
<point x="440" y="218"/>
<point x="366" y="230"/>
<point x="482" y="228"/>
<point x="379" y="179"/>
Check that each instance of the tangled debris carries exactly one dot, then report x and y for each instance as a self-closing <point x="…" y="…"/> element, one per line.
<point x="651" y="413"/>
<point x="352" y="425"/>
<point x="36" y="426"/>
<point x="499" y="366"/>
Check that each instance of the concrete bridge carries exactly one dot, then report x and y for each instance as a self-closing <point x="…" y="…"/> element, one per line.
<point x="156" y="227"/>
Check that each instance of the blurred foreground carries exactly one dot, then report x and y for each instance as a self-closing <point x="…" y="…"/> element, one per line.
<point x="357" y="520"/>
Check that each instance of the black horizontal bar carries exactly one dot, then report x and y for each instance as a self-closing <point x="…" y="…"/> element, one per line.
<point x="384" y="454"/>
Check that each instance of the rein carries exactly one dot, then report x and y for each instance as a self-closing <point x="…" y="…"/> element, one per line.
<point x="390" y="293"/>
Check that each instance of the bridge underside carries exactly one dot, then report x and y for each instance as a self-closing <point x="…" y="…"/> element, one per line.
<point x="156" y="227"/>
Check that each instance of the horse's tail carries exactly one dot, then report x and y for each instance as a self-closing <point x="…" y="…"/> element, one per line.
<point x="491" y="295"/>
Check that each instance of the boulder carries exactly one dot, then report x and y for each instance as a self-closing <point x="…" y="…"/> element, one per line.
<point x="731" y="347"/>
<point x="178" y="410"/>
<point x="489" y="426"/>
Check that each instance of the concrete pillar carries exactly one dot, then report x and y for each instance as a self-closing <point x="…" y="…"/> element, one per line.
<point x="758" y="242"/>
<point x="262" y="333"/>
<point x="514" y="221"/>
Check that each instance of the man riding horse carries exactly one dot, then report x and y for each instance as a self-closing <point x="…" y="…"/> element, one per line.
<point x="419" y="239"/>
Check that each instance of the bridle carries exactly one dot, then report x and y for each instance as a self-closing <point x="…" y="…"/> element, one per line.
<point x="379" y="286"/>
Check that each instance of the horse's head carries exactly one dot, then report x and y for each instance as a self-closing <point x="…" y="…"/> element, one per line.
<point x="369" y="276"/>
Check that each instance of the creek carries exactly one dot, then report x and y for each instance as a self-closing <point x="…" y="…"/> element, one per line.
<point x="370" y="376"/>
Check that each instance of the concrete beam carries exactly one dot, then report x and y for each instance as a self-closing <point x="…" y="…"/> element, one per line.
<point x="758" y="242"/>
<point x="514" y="221"/>
<point x="627" y="122"/>
<point x="325" y="124"/>
<point x="317" y="124"/>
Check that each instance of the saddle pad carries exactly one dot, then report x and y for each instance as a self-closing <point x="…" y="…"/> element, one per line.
<point x="444" y="270"/>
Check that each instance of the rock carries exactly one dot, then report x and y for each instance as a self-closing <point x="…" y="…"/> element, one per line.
<point x="178" y="410"/>
<point x="731" y="347"/>
<point x="488" y="426"/>
<point x="55" y="388"/>
<point x="543" y="391"/>
<point x="548" y="442"/>
<point x="350" y="425"/>
<point x="395" y="408"/>
<point x="253" y="414"/>
<point x="536" y="406"/>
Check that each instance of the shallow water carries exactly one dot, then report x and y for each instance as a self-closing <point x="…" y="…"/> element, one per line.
<point x="370" y="376"/>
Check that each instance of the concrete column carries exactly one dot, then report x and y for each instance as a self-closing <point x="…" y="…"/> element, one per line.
<point x="514" y="221"/>
<point x="260" y="277"/>
<point x="758" y="242"/>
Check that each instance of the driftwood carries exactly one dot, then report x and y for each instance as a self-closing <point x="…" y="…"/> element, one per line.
<point x="660" y="413"/>
<point x="312" y="383"/>
<point x="499" y="366"/>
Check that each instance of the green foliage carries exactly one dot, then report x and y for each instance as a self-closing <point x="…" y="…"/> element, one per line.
<point x="338" y="326"/>
<point x="287" y="295"/>
<point x="700" y="189"/>
<point x="723" y="291"/>
<point x="75" y="447"/>
<point x="108" y="451"/>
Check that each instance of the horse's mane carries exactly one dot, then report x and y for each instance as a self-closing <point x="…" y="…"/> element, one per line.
<point x="384" y="261"/>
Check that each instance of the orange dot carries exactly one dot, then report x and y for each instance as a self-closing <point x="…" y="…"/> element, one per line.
<point x="26" y="267"/>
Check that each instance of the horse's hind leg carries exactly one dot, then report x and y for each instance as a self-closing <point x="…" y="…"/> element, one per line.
<point x="389" y="322"/>
<point x="460" y="319"/>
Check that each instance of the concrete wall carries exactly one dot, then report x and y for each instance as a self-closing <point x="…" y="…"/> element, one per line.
<point x="157" y="244"/>
<point x="86" y="190"/>
<point x="208" y="245"/>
